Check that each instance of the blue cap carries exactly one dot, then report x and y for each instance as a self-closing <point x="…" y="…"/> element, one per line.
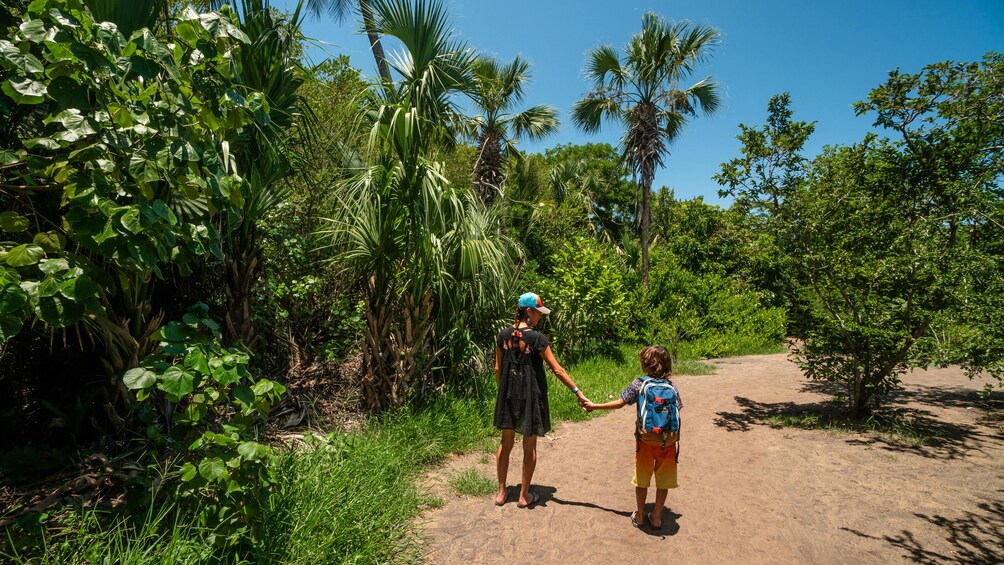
<point x="531" y="300"/>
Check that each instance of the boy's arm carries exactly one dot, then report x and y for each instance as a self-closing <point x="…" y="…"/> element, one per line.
<point x="619" y="403"/>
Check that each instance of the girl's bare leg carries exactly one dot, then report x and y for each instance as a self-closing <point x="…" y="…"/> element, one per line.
<point x="529" y="464"/>
<point x="502" y="462"/>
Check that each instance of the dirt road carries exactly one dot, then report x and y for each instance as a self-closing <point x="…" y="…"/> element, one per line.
<point x="750" y="493"/>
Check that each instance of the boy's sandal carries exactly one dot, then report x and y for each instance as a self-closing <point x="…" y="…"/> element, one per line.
<point x="653" y="526"/>
<point x="634" y="522"/>
<point x="534" y="499"/>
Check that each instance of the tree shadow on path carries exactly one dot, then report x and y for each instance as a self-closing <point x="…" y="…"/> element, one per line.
<point x="941" y="439"/>
<point x="670" y="519"/>
<point x="975" y="537"/>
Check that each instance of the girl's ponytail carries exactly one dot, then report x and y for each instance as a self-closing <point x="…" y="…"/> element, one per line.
<point x="516" y="338"/>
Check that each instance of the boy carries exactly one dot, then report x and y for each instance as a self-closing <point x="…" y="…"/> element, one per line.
<point x="655" y="453"/>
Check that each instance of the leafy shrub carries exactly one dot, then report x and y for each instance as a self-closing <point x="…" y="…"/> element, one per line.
<point x="588" y="296"/>
<point x="713" y="313"/>
<point x="212" y="406"/>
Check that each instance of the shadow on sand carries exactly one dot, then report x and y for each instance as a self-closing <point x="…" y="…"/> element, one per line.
<point x="904" y="409"/>
<point x="975" y="537"/>
<point x="548" y="494"/>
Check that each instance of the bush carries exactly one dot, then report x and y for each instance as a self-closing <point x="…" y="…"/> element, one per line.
<point x="212" y="405"/>
<point x="589" y="299"/>
<point x="713" y="313"/>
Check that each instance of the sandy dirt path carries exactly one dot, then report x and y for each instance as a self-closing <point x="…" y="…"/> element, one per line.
<point x="749" y="493"/>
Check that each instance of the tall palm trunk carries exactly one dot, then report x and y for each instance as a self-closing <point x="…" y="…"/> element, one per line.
<point x="374" y="37"/>
<point x="488" y="168"/>
<point x="646" y="218"/>
<point x="645" y="142"/>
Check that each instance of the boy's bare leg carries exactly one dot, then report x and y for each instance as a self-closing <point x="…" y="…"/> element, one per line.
<point x="502" y="462"/>
<point x="660" y="503"/>
<point x="529" y="464"/>
<point x="640" y="494"/>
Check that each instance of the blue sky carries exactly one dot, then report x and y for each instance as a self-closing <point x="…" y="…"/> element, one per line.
<point x="826" y="54"/>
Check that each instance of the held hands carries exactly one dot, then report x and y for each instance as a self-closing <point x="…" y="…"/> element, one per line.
<point x="583" y="401"/>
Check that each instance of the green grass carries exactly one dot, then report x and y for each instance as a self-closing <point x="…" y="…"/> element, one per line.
<point x="93" y="536"/>
<point x="895" y="428"/>
<point x="471" y="482"/>
<point x="602" y="379"/>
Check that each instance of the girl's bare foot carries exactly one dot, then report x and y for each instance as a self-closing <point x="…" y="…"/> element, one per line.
<point x="501" y="497"/>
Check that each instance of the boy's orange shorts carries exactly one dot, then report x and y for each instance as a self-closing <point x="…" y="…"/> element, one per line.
<point x="654" y="459"/>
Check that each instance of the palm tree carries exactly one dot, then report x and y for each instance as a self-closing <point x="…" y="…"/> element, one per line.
<point x="340" y="10"/>
<point x="268" y="68"/>
<point x="428" y="255"/>
<point x="642" y="91"/>
<point x="497" y="89"/>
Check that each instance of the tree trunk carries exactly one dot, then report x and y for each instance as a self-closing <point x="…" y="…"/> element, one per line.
<point x="859" y="398"/>
<point x="646" y="145"/>
<point x="398" y="342"/>
<point x="487" y="176"/>
<point x="646" y="197"/>
<point x="374" y="37"/>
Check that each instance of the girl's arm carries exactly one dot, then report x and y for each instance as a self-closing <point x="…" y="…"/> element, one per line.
<point x="619" y="403"/>
<point x="559" y="372"/>
<point x="498" y="366"/>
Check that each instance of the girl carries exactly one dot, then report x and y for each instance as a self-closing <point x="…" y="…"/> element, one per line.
<point x="521" y="405"/>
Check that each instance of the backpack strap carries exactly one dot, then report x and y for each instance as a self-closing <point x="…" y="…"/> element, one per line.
<point x="641" y="395"/>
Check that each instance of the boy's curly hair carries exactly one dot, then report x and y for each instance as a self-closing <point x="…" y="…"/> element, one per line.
<point x="656" y="361"/>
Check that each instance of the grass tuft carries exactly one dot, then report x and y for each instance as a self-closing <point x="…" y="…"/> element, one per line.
<point x="471" y="482"/>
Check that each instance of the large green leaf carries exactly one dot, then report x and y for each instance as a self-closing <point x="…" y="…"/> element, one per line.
<point x="58" y="310"/>
<point x="176" y="382"/>
<point x="23" y="255"/>
<point x="33" y="30"/>
<point x="139" y="378"/>
<point x="26" y="91"/>
<point x="10" y="326"/>
<point x="15" y="59"/>
<point x="211" y="469"/>
<point x="253" y="451"/>
<point x="131" y="221"/>
<point x="12" y="299"/>
<point x="75" y="124"/>
<point x="13" y="222"/>
<point x="50" y="242"/>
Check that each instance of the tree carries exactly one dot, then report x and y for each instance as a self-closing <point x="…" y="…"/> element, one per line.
<point x="340" y="10"/>
<point x="901" y="237"/>
<point x="98" y="179"/>
<point x="496" y="90"/>
<point x="429" y="256"/>
<point x="772" y="167"/>
<point x="770" y="172"/>
<point x="269" y="72"/>
<point x="642" y="92"/>
<point x="598" y="170"/>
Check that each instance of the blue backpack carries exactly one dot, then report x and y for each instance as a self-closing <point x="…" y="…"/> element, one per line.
<point x="658" y="412"/>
